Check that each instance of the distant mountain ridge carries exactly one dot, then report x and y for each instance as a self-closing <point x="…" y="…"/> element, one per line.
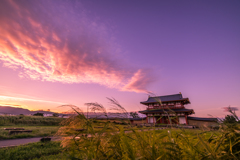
<point x="13" y="110"/>
<point x="18" y="111"/>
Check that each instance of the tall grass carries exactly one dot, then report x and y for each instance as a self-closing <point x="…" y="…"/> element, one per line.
<point x="140" y="144"/>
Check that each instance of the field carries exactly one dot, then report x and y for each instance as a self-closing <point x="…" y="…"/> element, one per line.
<point x="168" y="143"/>
<point x="53" y="150"/>
<point x="110" y="141"/>
<point x="153" y="144"/>
<point x="37" y="131"/>
<point x="33" y="151"/>
<point x="29" y="120"/>
<point x="40" y="126"/>
<point x="95" y="139"/>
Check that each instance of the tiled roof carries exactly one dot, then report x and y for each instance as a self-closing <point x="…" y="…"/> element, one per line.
<point x="167" y="98"/>
<point x="202" y="119"/>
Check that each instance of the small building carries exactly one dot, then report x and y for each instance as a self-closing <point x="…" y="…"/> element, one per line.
<point x="202" y="122"/>
<point x="45" y="113"/>
<point x="162" y="108"/>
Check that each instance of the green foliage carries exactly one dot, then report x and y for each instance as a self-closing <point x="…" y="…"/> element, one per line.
<point x="30" y="151"/>
<point x="134" y="114"/>
<point x="38" y="114"/>
<point x="230" y="119"/>
<point x="60" y="156"/>
<point x="55" y="115"/>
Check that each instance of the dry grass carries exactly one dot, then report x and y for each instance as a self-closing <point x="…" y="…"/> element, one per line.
<point x="157" y="144"/>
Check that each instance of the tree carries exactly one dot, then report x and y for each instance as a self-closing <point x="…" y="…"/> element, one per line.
<point x="230" y="119"/>
<point x="233" y="118"/>
<point x="55" y="115"/>
<point x="21" y="116"/>
<point x="38" y="114"/>
<point x="134" y="114"/>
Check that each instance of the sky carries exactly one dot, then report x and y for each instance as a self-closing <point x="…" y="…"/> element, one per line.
<point x="60" y="52"/>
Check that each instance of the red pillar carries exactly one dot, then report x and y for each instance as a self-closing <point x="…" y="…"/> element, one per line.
<point x="147" y="119"/>
<point x="186" y="119"/>
<point x="177" y="120"/>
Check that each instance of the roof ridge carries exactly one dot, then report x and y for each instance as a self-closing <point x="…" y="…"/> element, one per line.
<point x="165" y="95"/>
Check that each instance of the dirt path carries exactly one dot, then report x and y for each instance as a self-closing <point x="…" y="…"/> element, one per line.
<point x="17" y="142"/>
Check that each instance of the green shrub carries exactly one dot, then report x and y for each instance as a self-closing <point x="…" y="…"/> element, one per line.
<point x="38" y="114"/>
<point x="230" y="119"/>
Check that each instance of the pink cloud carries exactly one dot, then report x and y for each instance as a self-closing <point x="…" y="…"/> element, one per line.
<point x="139" y="81"/>
<point x="55" y="41"/>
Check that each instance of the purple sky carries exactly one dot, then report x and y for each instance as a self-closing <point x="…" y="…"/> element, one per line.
<point x="58" y="52"/>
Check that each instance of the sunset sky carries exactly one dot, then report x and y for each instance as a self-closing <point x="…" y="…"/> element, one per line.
<point x="73" y="52"/>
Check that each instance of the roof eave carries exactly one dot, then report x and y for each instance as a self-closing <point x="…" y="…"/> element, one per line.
<point x="184" y="99"/>
<point x="191" y="111"/>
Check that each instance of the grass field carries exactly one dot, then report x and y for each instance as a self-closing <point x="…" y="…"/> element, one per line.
<point x="105" y="140"/>
<point x="48" y="150"/>
<point x="30" y="120"/>
<point x="154" y="144"/>
<point x="126" y="144"/>
<point x="112" y="142"/>
<point x="40" y="126"/>
<point x="37" y="131"/>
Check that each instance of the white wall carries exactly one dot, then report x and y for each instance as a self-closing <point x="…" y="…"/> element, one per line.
<point x="47" y="115"/>
<point x="182" y="120"/>
<point x="151" y="120"/>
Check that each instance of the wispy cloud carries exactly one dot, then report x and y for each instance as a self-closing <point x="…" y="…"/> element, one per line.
<point x="56" y="41"/>
<point x="139" y="81"/>
<point x="10" y="98"/>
